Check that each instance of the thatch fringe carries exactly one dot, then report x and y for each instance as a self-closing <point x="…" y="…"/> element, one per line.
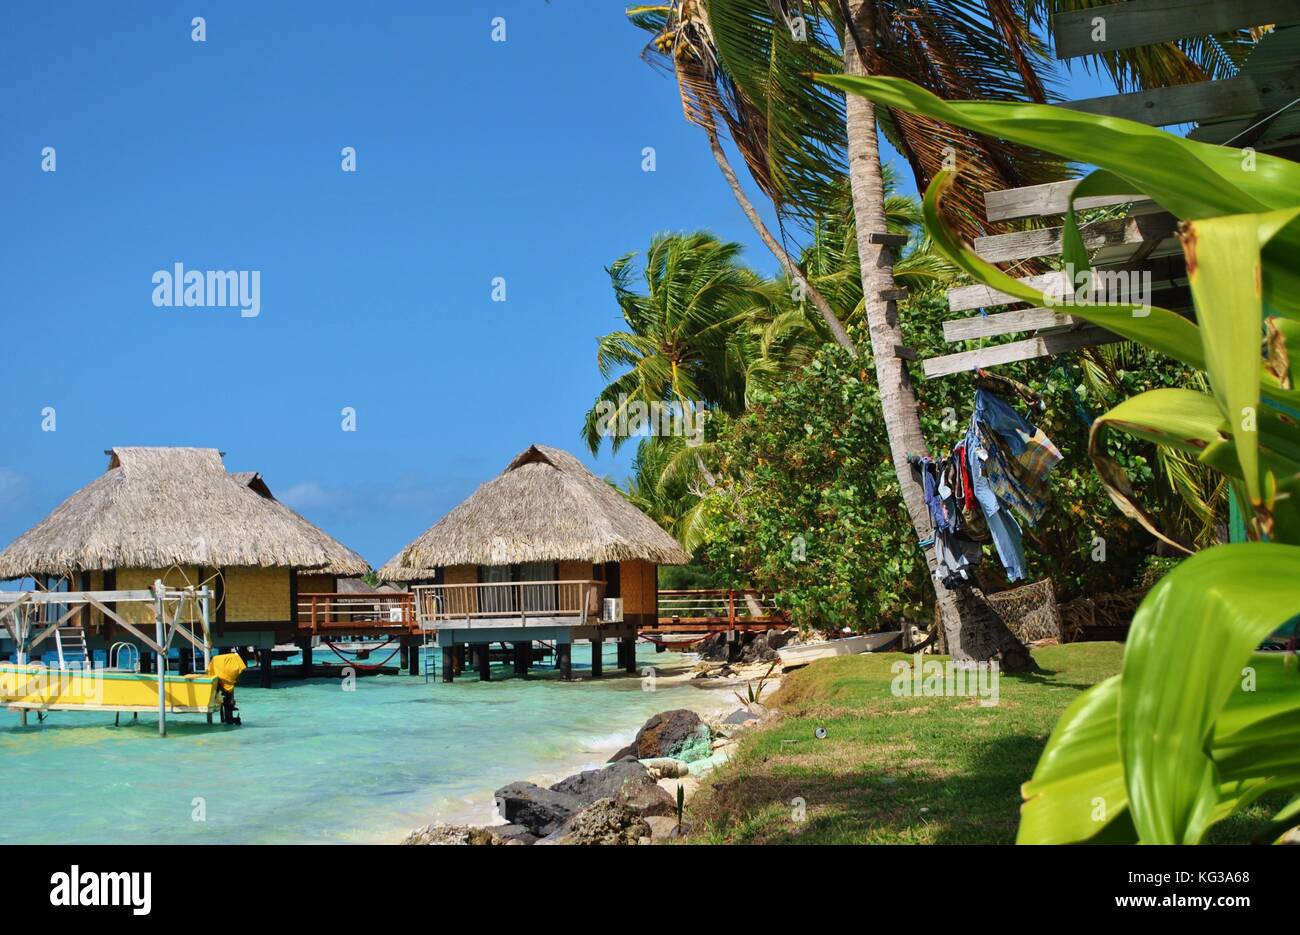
<point x="545" y="506"/>
<point x="158" y="507"/>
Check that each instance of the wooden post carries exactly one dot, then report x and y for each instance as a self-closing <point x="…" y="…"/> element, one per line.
<point x="483" y="660"/>
<point x="564" y="660"/>
<point x="597" y="660"/>
<point x="162" y="660"/>
<point x="448" y="663"/>
<point x="731" y="609"/>
<point x="629" y="654"/>
<point x="305" y="643"/>
<point x="523" y="656"/>
<point x="413" y="658"/>
<point x="460" y="658"/>
<point x="264" y="662"/>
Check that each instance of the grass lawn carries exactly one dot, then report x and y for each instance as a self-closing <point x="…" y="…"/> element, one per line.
<point x="901" y="770"/>
<point x="894" y="769"/>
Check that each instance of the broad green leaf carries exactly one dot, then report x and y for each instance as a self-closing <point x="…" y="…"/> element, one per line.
<point x="1223" y="268"/>
<point x="1189" y="641"/>
<point x="1186" y="177"/>
<point x="1078" y="786"/>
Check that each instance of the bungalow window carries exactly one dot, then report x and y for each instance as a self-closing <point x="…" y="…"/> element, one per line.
<point x="537" y="599"/>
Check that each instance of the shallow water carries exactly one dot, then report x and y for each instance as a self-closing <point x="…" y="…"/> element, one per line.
<point x="313" y="763"/>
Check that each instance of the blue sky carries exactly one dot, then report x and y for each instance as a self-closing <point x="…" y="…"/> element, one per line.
<point x="475" y="159"/>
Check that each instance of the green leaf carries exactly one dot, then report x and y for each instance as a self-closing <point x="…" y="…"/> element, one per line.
<point x="1190" y="640"/>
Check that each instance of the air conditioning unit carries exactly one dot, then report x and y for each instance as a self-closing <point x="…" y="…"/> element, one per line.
<point x="613" y="610"/>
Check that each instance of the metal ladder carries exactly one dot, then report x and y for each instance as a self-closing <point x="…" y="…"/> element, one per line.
<point x="71" y="643"/>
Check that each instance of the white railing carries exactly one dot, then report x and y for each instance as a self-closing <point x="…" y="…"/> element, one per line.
<point x="520" y="600"/>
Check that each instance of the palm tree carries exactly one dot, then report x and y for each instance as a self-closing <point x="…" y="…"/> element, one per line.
<point x="683" y="36"/>
<point x="687" y="340"/>
<point x="745" y="64"/>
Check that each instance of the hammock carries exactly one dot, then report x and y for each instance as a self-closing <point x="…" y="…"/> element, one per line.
<point x="366" y="665"/>
<point x="679" y="642"/>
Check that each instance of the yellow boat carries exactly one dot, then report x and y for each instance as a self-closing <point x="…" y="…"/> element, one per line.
<point x="35" y="687"/>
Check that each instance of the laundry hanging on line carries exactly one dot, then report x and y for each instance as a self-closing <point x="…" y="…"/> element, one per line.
<point x="1000" y="465"/>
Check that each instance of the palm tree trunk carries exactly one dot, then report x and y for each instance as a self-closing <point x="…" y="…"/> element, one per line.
<point x="974" y="632"/>
<point x="787" y="263"/>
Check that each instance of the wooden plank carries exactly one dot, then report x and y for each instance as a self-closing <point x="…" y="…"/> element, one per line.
<point x="1183" y="103"/>
<point x="1144" y="22"/>
<point x="1039" y="346"/>
<point x="1166" y="273"/>
<point x="1047" y="241"/>
<point x="984" y="326"/>
<point x="889" y="240"/>
<point x="1050" y="198"/>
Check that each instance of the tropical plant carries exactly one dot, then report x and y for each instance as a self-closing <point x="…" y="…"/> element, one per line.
<point x="1195" y="727"/>
<point x="685" y="341"/>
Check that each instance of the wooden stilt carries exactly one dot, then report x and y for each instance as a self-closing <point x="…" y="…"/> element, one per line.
<point x="629" y="654"/>
<point x="448" y="663"/>
<point x="460" y="658"/>
<point x="413" y="658"/>
<point x="564" y="660"/>
<point x="597" y="657"/>
<point x="483" y="661"/>
<point x="306" y="657"/>
<point x="22" y="715"/>
<point x="264" y="662"/>
<point x="523" y="656"/>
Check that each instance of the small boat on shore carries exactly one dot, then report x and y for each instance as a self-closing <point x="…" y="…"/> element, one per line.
<point x="792" y="657"/>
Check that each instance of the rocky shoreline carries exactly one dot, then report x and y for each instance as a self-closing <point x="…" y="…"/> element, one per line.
<point x="634" y="798"/>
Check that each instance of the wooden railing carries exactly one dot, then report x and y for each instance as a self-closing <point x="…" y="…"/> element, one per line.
<point x="509" y="599"/>
<point x="717" y="607"/>
<point x="381" y="610"/>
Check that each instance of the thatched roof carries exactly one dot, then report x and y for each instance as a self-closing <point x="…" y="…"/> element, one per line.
<point x="544" y="507"/>
<point x="158" y="507"/>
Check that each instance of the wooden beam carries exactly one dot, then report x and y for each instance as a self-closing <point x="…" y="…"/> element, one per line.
<point x="1181" y="103"/>
<point x="984" y="326"/>
<point x="893" y="295"/>
<point x="889" y="240"/>
<point x="148" y="641"/>
<point x="1038" y="346"/>
<point x="1166" y="273"/>
<point x="1050" y="198"/>
<point x="1145" y="22"/>
<point x="1047" y="241"/>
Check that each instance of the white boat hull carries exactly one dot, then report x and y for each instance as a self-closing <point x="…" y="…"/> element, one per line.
<point x="794" y="656"/>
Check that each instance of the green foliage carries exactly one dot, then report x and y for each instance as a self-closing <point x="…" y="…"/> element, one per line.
<point x="806" y="503"/>
<point x="1194" y="729"/>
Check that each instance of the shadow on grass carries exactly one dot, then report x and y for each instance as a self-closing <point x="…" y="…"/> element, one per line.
<point x="977" y="804"/>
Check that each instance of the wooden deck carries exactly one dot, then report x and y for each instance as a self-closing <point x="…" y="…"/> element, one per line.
<point x="715" y="610"/>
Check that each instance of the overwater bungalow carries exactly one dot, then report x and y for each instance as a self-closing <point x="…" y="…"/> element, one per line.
<point x="546" y="551"/>
<point x="176" y="515"/>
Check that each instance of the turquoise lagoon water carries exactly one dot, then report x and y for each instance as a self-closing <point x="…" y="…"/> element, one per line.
<point x="315" y="764"/>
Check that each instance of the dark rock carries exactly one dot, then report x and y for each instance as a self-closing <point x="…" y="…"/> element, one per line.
<point x="664" y="734"/>
<point x="714" y="647"/>
<point x="647" y="798"/>
<point x="593" y="784"/>
<point x="603" y="822"/>
<point x="511" y="834"/>
<point x="777" y="639"/>
<point x="538" y="809"/>
<point x="740" y="716"/>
